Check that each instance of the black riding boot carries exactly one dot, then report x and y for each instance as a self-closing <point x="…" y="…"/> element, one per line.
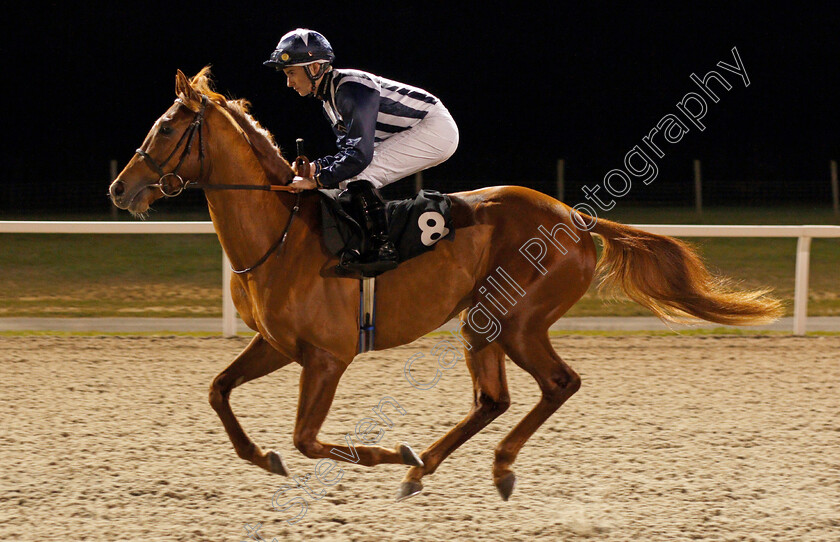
<point x="380" y="254"/>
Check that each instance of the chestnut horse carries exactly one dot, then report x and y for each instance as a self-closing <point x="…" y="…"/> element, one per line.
<point x="303" y="313"/>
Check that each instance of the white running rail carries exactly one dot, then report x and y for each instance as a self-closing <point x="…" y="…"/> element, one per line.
<point x="803" y="249"/>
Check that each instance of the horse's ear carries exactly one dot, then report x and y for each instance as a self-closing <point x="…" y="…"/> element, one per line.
<point x="185" y="92"/>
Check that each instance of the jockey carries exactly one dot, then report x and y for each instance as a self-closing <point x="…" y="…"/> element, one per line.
<point x="385" y="131"/>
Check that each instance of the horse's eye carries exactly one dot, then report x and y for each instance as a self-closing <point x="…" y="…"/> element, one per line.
<point x="165" y="129"/>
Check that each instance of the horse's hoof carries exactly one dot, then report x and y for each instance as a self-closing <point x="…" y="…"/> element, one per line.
<point x="409" y="489"/>
<point x="276" y="464"/>
<point x="408" y="456"/>
<point x="505" y="485"/>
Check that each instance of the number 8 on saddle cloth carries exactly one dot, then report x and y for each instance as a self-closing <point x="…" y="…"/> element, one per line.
<point x="415" y="225"/>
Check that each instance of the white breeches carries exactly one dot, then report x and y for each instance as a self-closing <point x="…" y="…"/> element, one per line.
<point x="432" y="141"/>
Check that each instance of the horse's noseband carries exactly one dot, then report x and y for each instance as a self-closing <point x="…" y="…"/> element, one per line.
<point x="188" y="137"/>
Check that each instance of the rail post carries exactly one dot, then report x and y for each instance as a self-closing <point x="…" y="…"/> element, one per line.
<point x="113" y="169"/>
<point x="698" y="189"/>
<point x="835" y="188"/>
<point x="561" y="179"/>
<point x="228" y="310"/>
<point x="800" y="295"/>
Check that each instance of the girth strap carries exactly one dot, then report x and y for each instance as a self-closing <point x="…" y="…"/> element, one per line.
<point x="367" y="314"/>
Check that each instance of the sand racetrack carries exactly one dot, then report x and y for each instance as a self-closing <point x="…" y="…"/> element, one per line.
<point x="670" y="438"/>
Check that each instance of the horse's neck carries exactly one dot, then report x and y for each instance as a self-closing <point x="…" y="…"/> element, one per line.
<point x="246" y="221"/>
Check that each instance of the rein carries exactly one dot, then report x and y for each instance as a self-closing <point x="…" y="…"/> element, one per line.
<point x="188" y="137"/>
<point x="279" y="243"/>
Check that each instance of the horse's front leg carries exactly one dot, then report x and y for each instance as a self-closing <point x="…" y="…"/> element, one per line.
<point x="258" y="359"/>
<point x="318" y="382"/>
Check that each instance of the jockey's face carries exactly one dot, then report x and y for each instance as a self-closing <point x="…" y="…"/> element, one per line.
<point x="297" y="79"/>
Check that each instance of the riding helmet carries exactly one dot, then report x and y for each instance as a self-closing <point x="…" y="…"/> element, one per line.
<point x="298" y="47"/>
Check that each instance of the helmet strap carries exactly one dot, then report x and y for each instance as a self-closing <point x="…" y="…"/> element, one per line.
<point x="313" y="77"/>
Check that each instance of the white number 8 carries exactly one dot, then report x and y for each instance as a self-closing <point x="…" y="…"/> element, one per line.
<point x="431" y="223"/>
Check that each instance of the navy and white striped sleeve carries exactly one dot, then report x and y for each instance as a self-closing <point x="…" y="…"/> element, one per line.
<point x="358" y="105"/>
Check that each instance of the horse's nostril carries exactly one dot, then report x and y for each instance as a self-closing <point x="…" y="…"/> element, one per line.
<point x="118" y="189"/>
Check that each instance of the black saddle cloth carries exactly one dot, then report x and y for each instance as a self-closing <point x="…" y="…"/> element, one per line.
<point x="414" y="225"/>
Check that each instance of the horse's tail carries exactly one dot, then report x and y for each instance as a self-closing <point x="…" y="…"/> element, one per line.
<point x="667" y="277"/>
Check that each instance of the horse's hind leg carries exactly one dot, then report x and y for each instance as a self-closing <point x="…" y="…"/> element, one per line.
<point x="490" y="400"/>
<point x="557" y="383"/>
<point x="258" y="359"/>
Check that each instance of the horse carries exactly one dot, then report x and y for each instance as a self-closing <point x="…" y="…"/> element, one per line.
<point x="284" y="289"/>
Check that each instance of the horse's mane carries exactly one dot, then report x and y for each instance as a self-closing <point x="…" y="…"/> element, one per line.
<point x="262" y="141"/>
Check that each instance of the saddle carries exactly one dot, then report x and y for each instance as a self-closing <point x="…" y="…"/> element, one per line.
<point x="414" y="225"/>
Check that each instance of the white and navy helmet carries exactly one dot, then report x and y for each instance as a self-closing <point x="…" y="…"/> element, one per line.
<point x="300" y="47"/>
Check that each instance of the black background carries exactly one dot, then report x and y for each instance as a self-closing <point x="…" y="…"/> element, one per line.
<point x="83" y="85"/>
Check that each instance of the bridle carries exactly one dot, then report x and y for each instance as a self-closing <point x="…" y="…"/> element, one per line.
<point x="187" y="139"/>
